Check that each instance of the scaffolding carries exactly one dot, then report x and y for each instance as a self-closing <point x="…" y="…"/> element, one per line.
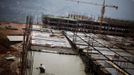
<point x="27" y="55"/>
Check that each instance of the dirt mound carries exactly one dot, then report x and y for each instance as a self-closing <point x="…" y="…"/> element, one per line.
<point x="4" y="41"/>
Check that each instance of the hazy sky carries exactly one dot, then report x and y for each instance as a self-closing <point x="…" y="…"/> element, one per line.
<point x="18" y="9"/>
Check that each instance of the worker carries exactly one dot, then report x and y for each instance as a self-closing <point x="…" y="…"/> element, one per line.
<point x="42" y="69"/>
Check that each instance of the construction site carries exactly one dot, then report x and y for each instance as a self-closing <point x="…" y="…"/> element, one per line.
<point x="68" y="45"/>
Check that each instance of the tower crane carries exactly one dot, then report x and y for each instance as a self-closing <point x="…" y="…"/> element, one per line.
<point x="102" y="9"/>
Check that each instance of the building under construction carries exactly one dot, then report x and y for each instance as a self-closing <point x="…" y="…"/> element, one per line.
<point x="104" y="46"/>
<point x="105" y="49"/>
<point x="89" y="26"/>
<point x="99" y="57"/>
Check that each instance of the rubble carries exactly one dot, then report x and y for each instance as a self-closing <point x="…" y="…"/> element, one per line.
<point x="9" y="57"/>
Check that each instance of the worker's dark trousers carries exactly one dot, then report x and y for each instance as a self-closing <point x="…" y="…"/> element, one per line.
<point x="42" y="74"/>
